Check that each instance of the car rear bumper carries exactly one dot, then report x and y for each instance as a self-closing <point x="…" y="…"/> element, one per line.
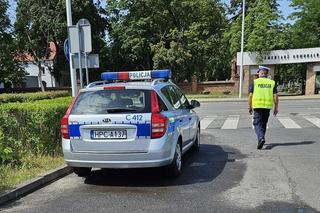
<point x="158" y="155"/>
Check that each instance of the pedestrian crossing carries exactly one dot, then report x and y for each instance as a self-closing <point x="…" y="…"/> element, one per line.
<point x="229" y="122"/>
<point x="288" y="123"/>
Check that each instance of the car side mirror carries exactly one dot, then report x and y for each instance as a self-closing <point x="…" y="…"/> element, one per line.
<point x="195" y="103"/>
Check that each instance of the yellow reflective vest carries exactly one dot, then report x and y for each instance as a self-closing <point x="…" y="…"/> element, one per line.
<point x="263" y="93"/>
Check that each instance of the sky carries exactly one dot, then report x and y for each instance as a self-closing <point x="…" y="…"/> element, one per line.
<point x="284" y="8"/>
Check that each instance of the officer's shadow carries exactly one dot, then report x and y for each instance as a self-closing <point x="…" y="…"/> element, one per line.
<point x="272" y="145"/>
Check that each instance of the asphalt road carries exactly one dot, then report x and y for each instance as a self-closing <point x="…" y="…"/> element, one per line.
<point x="228" y="174"/>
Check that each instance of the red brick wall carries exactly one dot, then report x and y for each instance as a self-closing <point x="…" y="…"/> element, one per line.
<point x="212" y="86"/>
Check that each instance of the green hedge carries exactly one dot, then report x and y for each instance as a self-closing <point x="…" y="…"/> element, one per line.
<point x="31" y="128"/>
<point x="28" y="97"/>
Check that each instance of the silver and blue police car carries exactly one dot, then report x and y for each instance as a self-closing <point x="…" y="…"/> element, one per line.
<point x="130" y="120"/>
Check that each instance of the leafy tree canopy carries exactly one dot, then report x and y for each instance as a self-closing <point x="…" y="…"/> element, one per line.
<point x="263" y="28"/>
<point x="10" y="71"/>
<point x="39" y="22"/>
<point x="305" y="32"/>
<point x="186" y="36"/>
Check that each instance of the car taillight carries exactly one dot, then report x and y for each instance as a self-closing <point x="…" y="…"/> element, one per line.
<point x="64" y="127"/>
<point x="159" y="122"/>
<point x="158" y="125"/>
<point x="65" y="121"/>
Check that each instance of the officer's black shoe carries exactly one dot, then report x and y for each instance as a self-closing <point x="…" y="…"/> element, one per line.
<point x="260" y="144"/>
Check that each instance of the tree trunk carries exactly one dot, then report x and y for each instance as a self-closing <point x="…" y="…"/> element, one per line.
<point x="40" y="77"/>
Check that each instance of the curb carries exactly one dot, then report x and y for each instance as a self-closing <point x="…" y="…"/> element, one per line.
<point x="286" y="98"/>
<point x="34" y="184"/>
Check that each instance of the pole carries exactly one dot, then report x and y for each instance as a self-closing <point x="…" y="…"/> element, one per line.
<point x="242" y="44"/>
<point x="72" y="71"/>
<point x="86" y="65"/>
<point x="80" y="64"/>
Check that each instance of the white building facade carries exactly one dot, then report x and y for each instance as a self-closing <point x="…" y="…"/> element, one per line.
<point x="32" y="70"/>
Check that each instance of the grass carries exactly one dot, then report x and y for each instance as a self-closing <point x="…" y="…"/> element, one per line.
<point x="33" y="167"/>
<point x="213" y="95"/>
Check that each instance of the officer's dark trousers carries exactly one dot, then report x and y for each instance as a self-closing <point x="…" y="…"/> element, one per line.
<point x="260" y="120"/>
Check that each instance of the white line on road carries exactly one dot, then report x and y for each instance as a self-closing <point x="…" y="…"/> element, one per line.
<point x="288" y="123"/>
<point x="313" y="120"/>
<point x="205" y="122"/>
<point x="231" y="122"/>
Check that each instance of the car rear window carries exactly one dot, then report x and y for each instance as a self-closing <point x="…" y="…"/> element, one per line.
<point x="112" y="101"/>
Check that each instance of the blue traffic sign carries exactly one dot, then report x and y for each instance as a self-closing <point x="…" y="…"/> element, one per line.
<point x="66" y="49"/>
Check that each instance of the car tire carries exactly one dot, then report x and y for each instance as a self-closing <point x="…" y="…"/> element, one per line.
<point x="81" y="171"/>
<point x="196" y="144"/>
<point x="174" y="169"/>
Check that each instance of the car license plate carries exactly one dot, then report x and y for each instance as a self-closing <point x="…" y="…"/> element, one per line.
<point x="109" y="134"/>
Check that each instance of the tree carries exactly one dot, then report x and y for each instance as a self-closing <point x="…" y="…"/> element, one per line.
<point x="305" y="32"/>
<point x="10" y="71"/>
<point x="185" y="36"/>
<point x="39" y="22"/>
<point x="263" y="27"/>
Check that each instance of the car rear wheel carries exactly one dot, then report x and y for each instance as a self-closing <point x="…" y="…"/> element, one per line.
<point x="196" y="144"/>
<point x="82" y="172"/>
<point x="174" y="168"/>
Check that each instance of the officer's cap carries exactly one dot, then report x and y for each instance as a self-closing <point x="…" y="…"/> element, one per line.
<point x="263" y="68"/>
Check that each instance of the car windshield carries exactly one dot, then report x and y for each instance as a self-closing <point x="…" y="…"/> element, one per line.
<point x="112" y="101"/>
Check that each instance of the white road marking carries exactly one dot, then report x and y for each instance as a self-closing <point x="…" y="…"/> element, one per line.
<point x="288" y="123"/>
<point x="231" y="122"/>
<point x="205" y="122"/>
<point x="313" y="120"/>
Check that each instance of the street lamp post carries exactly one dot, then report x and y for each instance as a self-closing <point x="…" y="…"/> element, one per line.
<point x="72" y="71"/>
<point x="242" y="44"/>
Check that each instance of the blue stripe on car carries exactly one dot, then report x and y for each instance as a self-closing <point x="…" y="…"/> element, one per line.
<point x="74" y="130"/>
<point x="142" y="130"/>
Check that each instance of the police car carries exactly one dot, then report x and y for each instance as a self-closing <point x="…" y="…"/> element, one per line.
<point x="121" y="122"/>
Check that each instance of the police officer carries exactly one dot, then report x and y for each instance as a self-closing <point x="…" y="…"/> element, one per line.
<point x="263" y="94"/>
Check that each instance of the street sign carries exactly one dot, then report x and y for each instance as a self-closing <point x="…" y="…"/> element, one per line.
<point x="92" y="61"/>
<point x="66" y="49"/>
<point x="73" y="37"/>
<point x="85" y="35"/>
<point x="80" y="38"/>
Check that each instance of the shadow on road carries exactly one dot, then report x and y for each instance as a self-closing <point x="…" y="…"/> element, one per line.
<point x="272" y="145"/>
<point x="200" y="167"/>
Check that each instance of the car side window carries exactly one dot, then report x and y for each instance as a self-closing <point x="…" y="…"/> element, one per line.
<point x="183" y="99"/>
<point x="162" y="105"/>
<point x="171" y="95"/>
